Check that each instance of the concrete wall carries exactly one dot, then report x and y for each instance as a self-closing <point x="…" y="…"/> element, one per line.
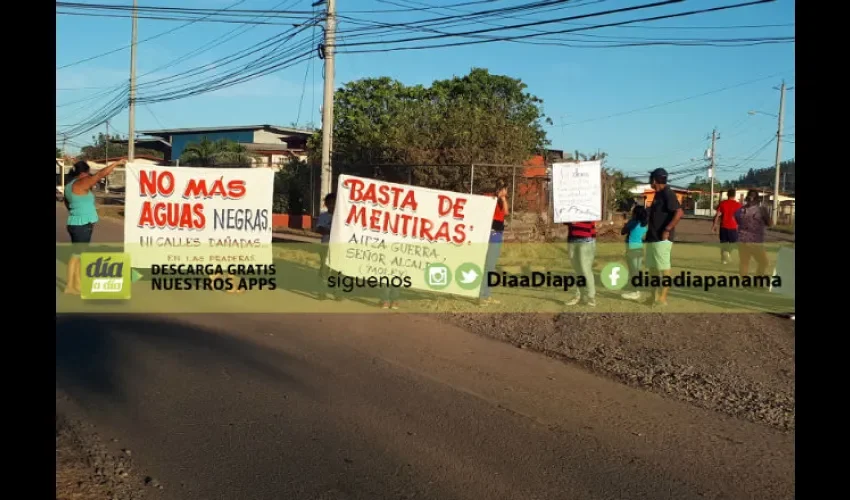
<point x="266" y="137"/>
<point x="180" y="141"/>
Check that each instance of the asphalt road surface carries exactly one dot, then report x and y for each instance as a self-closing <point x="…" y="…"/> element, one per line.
<point x="388" y="406"/>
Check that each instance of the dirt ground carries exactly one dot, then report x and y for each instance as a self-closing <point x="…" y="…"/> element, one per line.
<point x="86" y="471"/>
<point x="742" y="365"/>
<point x="739" y="364"/>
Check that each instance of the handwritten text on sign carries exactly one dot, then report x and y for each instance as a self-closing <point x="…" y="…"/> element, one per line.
<point x="386" y="229"/>
<point x="198" y="215"/>
<point x="577" y="191"/>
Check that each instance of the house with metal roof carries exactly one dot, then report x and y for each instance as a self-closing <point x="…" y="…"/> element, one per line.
<point x="270" y="143"/>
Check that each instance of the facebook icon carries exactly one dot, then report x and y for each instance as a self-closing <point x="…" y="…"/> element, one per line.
<point x="614" y="276"/>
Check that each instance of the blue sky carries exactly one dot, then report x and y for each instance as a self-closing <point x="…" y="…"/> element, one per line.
<point x="581" y="87"/>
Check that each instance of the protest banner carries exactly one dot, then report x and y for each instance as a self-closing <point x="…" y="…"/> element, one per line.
<point x="187" y="215"/>
<point x="577" y="191"/>
<point x="437" y="238"/>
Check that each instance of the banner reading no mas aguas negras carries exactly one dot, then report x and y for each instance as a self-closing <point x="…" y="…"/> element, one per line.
<point x="187" y="215"/>
<point x="386" y="229"/>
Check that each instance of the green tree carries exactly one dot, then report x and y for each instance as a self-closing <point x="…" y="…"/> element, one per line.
<point x="621" y="185"/>
<point x="103" y="144"/>
<point x="58" y="153"/>
<point x="479" y="119"/>
<point x="220" y="153"/>
<point x="292" y="188"/>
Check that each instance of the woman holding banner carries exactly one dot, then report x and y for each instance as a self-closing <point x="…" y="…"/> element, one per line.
<point x="82" y="214"/>
<point x="494" y="248"/>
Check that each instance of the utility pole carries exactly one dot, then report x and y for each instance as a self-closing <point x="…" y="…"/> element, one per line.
<point x="131" y="142"/>
<point x="62" y="170"/>
<point x="328" y="100"/>
<point x="106" y="162"/>
<point x="775" y="215"/>
<point x="712" y="169"/>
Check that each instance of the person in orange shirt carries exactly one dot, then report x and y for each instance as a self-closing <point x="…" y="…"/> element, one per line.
<point x="725" y="216"/>
<point x="494" y="248"/>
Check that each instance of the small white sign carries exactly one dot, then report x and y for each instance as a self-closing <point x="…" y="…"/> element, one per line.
<point x="577" y="191"/>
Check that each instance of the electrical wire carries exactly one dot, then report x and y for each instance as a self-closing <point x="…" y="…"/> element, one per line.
<point x="572" y="30"/>
<point x="154" y="37"/>
<point x="676" y="101"/>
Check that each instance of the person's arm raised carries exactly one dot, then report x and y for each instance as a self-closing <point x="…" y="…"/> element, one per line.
<point x="85" y="184"/>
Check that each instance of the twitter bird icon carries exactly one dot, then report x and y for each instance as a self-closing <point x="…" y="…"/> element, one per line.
<point x="468" y="276"/>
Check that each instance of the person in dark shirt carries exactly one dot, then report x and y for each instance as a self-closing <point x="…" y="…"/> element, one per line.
<point x="581" y="241"/>
<point x="664" y="215"/>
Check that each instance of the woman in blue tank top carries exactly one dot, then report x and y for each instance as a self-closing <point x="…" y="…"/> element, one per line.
<point x="82" y="214"/>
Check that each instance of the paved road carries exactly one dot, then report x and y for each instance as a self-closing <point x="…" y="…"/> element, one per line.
<point x="397" y="407"/>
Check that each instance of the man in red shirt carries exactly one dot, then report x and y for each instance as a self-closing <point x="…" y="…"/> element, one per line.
<point x="725" y="216"/>
<point x="581" y="241"/>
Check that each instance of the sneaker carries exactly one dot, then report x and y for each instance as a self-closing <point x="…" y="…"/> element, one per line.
<point x="393" y="306"/>
<point x="590" y="303"/>
<point x="385" y="305"/>
<point x="632" y="295"/>
<point x="488" y="301"/>
<point x="572" y="302"/>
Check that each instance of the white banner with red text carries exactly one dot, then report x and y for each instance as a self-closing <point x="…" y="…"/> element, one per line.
<point x="438" y="239"/>
<point x="187" y="215"/>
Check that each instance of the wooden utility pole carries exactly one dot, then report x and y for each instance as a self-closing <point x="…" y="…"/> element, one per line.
<point x="712" y="170"/>
<point x="106" y="162"/>
<point x="131" y="142"/>
<point x="775" y="215"/>
<point x="62" y="170"/>
<point x="328" y="100"/>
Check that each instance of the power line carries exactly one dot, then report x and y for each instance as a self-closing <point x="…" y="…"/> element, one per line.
<point x="676" y="101"/>
<point x="472" y="33"/>
<point x="154" y="37"/>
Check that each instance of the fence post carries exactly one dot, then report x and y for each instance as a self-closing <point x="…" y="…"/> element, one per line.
<point x="471" y="177"/>
<point x="513" y="194"/>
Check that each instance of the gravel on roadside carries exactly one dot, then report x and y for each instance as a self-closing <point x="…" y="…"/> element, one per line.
<point x="85" y="470"/>
<point x="738" y="364"/>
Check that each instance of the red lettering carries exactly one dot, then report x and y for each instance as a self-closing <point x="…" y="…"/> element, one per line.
<point x="153" y="183"/>
<point x="172" y="215"/>
<point x="409" y="201"/>
<point x="355" y="188"/>
<point x="236" y="189"/>
<point x="460" y="234"/>
<point x="444" y="205"/>
<point x="443" y="232"/>
<point x="195" y="189"/>
<point x="458" y="208"/>
<point x="357" y="215"/>
<point x="198" y="188"/>
<point x="425" y="227"/>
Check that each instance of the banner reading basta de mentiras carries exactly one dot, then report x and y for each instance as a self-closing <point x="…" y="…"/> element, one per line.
<point x="437" y="238"/>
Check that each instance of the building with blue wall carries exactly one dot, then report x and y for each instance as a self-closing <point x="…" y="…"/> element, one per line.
<point x="266" y="139"/>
